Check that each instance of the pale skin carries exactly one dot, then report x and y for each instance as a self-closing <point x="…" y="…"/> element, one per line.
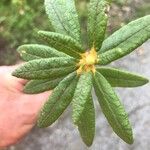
<point x="18" y="111"/>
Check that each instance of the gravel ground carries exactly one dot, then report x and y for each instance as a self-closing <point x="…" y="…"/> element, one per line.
<point x="64" y="136"/>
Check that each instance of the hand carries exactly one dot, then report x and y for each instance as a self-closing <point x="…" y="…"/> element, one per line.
<point x="18" y="111"/>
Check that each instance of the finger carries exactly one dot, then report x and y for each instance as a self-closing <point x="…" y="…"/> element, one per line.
<point x="7" y="70"/>
<point x="36" y="101"/>
<point x="33" y="105"/>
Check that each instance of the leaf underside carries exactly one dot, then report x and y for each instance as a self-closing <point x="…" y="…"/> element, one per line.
<point x="64" y="17"/>
<point x="58" y="101"/>
<point x="112" y="108"/>
<point x="82" y="92"/>
<point x="120" y="78"/>
<point x="86" y="124"/>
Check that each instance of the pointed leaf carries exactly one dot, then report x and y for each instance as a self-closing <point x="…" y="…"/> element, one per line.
<point x="64" y="17"/>
<point x="38" y="86"/>
<point x="97" y="22"/>
<point x="86" y="124"/>
<point x="129" y="37"/>
<point x="45" y="68"/>
<point x="82" y="92"/>
<point x="112" y="108"/>
<point x="62" y="43"/>
<point x="120" y="78"/>
<point x="35" y="51"/>
<point x="58" y="101"/>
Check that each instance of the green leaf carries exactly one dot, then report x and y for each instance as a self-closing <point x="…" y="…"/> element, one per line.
<point x="64" y="17"/>
<point x="35" y="51"/>
<point x="46" y="68"/>
<point x="58" y="101"/>
<point x="81" y="95"/>
<point x="120" y="78"/>
<point x="112" y="108"/>
<point x="129" y="37"/>
<point x="110" y="56"/>
<point x="62" y="43"/>
<point x="97" y="22"/>
<point x="38" y="86"/>
<point x="86" y="124"/>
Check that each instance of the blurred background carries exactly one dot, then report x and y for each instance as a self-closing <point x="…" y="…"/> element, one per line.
<point x="20" y="19"/>
<point x="19" y="22"/>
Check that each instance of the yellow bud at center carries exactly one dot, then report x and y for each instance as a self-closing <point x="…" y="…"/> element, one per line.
<point x="88" y="61"/>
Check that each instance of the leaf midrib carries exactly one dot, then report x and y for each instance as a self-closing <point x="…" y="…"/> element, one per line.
<point x="63" y="45"/>
<point x="59" y="17"/>
<point x="59" y="98"/>
<point x="24" y="71"/>
<point x="95" y="20"/>
<point x="133" y="35"/>
<point x="44" y="82"/>
<point x="32" y="55"/>
<point x="45" y="52"/>
<point x="130" y="80"/>
<point x="117" y="45"/>
<point x="40" y="57"/>
<point x="116" y="120"/>
<point x="96" y="17"/>
<point x="67" y="31"/>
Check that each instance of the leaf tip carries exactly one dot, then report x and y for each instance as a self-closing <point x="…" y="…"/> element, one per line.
<point x="146" y="80"/>
<point x="88" y="144"/>
<point x="27" y="91"/>
<point x="15" y="73"/>
<point x="130" y="140"/>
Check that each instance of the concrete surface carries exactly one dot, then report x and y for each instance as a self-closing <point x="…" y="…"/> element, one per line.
<point x="64" y="136"/>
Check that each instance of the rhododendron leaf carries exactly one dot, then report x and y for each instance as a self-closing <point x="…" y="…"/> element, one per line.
<point x="38" y="86"/>
<point x="81" y="95"/>
<point x="62" y="43"/>
<point x="129" y="37"/>
<point x="121" y="78"/>
<point x="64" y="17"/>
<point x="97" y="22"/>
<point x="58" y="101"/>
<point x="112" y="108"/>
<point x="36" y="51"/>
<point x="86" y="124"/>
<point x="46" y="68"/>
